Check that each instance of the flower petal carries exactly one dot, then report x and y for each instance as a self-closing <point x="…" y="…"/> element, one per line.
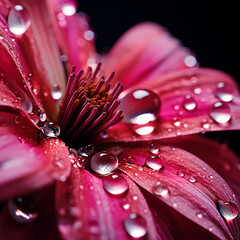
<point x="85" y="209"/>
<point x="185" y="183"/>
<point x="144" y="51"/>
<point x="191" y="102"/>
<point x="74" y="35"/>
<point x="27" y="162"/>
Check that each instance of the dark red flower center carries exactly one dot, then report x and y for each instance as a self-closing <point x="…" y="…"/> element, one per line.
<point x="90" y="105"/>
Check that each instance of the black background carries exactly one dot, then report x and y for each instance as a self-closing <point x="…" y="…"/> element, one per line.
<point x="209" y="28"/>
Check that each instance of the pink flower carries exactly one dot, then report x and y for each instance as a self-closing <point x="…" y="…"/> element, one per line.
<point x="72" y="167"/>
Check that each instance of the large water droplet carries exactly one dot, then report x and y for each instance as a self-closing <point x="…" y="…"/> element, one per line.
<point x="135" y="226"/>
<point x="228" y="210"/>
<point x="224" y="92"/>
<point x="51" y="129"/>
<point x="160" y="189"/>
<point x="104" y="163"/>
<point x="140" y="106"/>
<point x="115" y="184"/>
<point x="154" y="162"/>
<point x="220" y="112"/>
<point x="189" y="103"/>
<point x="22" y="209"/>
<point x="56" y="92"/>
<point x="68" y="9"/>
<point x="18" y="20"/>
<point x="86" y="151"/>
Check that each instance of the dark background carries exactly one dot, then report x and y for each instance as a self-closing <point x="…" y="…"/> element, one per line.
<point x="209" y="28"/>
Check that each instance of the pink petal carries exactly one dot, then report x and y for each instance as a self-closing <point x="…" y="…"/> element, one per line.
<point x="27" y="162"/>
<point x="144" y="51"/>
<point x="184" y="183"/>
<point x="43" y="227"/>
<point x="35" y="54"/>
<point x="74" y="35"/>
<point x="188" y="102"/>
<point x="85" y="209"/>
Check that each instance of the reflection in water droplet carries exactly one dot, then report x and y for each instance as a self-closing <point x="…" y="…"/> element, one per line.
<point x="56" y="92"/>
<point x="51" y="129"/>
<point x="115" y="184"/>
<point x="22" y="209"/>
<point x="154" y="162"/>
<point x="86" y="151"/>
<point x="18" y="20"/>
<point x="140" y="106"/>
<point x="160" y="189"/>
<point x="104" y="163"/>
<point x="189" y="103"/>
<point x="220" y="112"/>
<point x="228" y="210"/>
<point x="224" y="92"/>
<point x="135" y="225"/>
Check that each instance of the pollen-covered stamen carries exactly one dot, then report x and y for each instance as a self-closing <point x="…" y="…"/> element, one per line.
<point x="89" y="106"/>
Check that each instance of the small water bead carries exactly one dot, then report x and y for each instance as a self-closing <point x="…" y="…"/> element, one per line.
<point x="140" y="106"/>
<point x="104" y="163"/>
<point x="22" y="209"/>
<point x="154" y="162"/>
<point x="56" y="92"/>
<point x="68" y="9"/>
<point x="228" y="210"/>
<point x="224" y="92"/>
<point x="220" y="112"/>
<point x="43" y="117"/>
<point x="18" y="20"/>
<point x="189" y="103"/>
<point x="190" y="61"/>
<point x="180" y="173"/>
<point x="153" y="149"/>
<point x="115" y="184"/>
<point x="135" y="225"/>
<point x="86" y="151"/>
<point x="89" y="35"/>
<point x="192" y="179"/>
<point x="51" y="129"/>
<point x="160" y="189"/>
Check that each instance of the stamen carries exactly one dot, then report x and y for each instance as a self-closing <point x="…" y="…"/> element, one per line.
<point x="89" y="105"/>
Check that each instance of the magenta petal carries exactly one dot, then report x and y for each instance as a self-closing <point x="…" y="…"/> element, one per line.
<point x="191" y="102"/>
<point x="27" y="162"/>
<point x="144" y="51"/>
<point x="185" y="183"/>
<point x="85" y="209"/>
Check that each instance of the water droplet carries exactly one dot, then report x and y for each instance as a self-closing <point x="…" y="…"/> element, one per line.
<point x="199" y="215"/>
<point x="180" y="173"/>
<point x="126" y="206"/>
<point x="18" y="20"/>
<point x="189" y="103"/>
<point x="220" y="112"/>
<point x="190" y="61"/>
<point x="56" y="92"/>
<point x="154" y="162"/>
<point x="51" y="129"/>
<point x="153" y="149"/>
<point x="205" y="124"/>
<point x="140" y="106"/>
<point x="176" y="122"/>
<point x="22" y="209"/>
<point x="135" y="225"/>
<point x="160" y="189"/>
<point x="104" y="163"/>
<point x="43" y="117"/>
<point x="192" y="179"/>
<point x="228" y="210"/>
<point x="224" y="92"/>
<point x="86" y="151"/>
<point x="68" y="9"/>
<point x="115" y="184"/>
<point x="89" y="35"/>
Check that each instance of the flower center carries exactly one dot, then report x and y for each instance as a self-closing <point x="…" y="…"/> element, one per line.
<point x="90" y="105"/>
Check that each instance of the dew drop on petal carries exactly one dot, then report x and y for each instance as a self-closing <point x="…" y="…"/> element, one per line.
<point x="153" y="149"/>
<point x="86" y="151"/>
<point x="189" y="103"/>
<point x="224" y="92"/>
<point x="56" y="92"/>
<point x="160" y="189"/>
<point x="140" y="106"/>
<point x="115" y="184"/>
<point x="104" y="163"/>
<point x="192" y="179"/>
<point x="190" y="61"/>
<point x="180" y="173"/>
<point x="228" y="210"/>
<point x="68" y="9"/>
<point x="135" y="225"/>
<point x="18" y="20"/>
<point x="43" y="117"/>
<point x="51" y="129"/>
<point x="220" y="112"/>
<point x="22" y="209"/>
<point x="154" y="162"/>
